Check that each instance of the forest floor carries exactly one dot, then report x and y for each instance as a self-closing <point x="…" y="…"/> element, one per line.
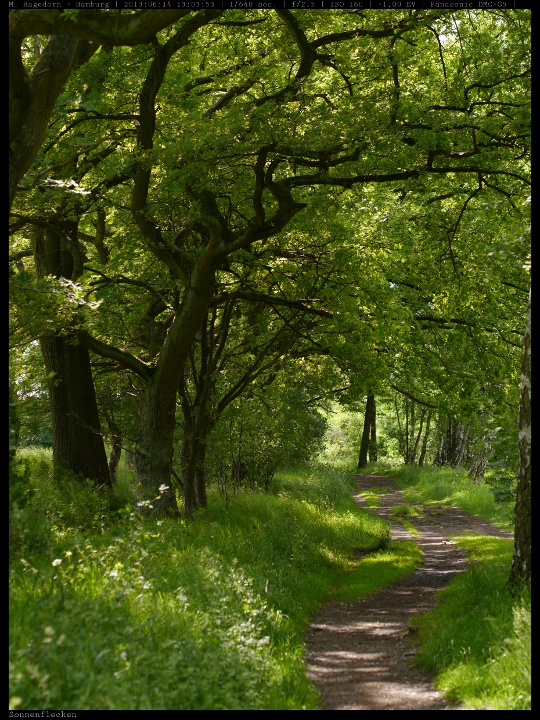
<point x="360" y="653"/>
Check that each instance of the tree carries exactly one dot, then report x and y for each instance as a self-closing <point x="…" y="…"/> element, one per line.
<point x="291" y="139"/>
<point x="243" y="342"/>
<point x="368" y="434"/>
<point x="520" y="574"/>
<point x="72" y="38"/>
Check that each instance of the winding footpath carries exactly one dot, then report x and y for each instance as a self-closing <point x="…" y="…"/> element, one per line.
<point x="359" y="653"/>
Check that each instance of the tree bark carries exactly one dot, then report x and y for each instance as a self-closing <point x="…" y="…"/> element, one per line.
<point x="373" y="436"/>
<point x="520" y="573"/>
<point x="439" y="455"/>
<point x="32" y="96"/>
<point x="461" y="439"/>
<point x="154" y="450"/>
<point x="478" y="467"/>
<point x="425" y="440"/>
<point x="77" y="438"/>
<point x="116" y="437"/>
<point x="189" y="458"/>
<point x="200" y="477"/>
<point x="369" y="419"/>
<point x="406" y="439"/>
<point x="418" y="436"/>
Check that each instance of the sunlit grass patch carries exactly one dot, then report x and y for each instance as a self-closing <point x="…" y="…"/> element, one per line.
<point x="404" y="510"/>
<point x="477" y="641"/>
<point x="408" y="526"/>
<point x="380" y="489"/>
<point x="372" y="500"/>
<point x="175" y="614"/>
<point x="453" y="487"/>
<point x="378" y="570"/>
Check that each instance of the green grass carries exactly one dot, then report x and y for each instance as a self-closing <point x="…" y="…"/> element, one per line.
<point x="453" y="487"/>
<point x="371" y="496"/>
<point x="134" y="613"/>
<point x="477" y="642"/>
<point x="112" y="610"/>
<point x="377" y="570"/>
<point x="404" y="510"/>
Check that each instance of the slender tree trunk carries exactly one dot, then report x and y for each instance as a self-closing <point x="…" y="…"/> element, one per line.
<point x="439" y="455"/>
<point x="478" y="467"/>
<point x="189" y="463"/>
<point x="407" y="456"/>
<point x="418" y="436"/>
<point x="368" y="420"/>
<point x="520" y="573"/>
<point x="460" y="444"/>
<point x="200" y="477"/>
<point x="373" y="436"/>
<point x="425" y="440"/>
<point x="401" y="435"/>
<point x="129" y="458"/>
<point x="116" y="437"/>
<point x="14" y="422"/>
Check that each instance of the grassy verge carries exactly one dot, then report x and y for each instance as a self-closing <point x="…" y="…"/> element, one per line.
<point x="112" y="610"/>
<point x="454" y="487"/>
<point x="477" y="642"/>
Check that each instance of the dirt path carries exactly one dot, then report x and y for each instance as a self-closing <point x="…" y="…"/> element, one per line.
<point x="359" y="653"/>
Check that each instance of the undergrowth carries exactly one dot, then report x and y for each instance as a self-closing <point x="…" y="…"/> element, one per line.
<point x="110" y="609"/>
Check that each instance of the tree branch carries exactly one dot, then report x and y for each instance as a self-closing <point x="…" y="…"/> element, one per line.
<point x="124" y="359"/>
<point x="274" y="300"/>
<point x="412" y="397"/>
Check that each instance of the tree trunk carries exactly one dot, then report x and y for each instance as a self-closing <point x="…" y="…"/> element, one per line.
<point x="369" y="419"/>
<point x="189" y="464"/>
<point x="33" y="98"/>
<point x="439" y="455"/>
<point x="460" y="443"/>
<point x="129" y="459"/>
<point x="154" y="448"/>
<point x="77" y="439"/>
<point x="373" y="436"/>
<point x="520" y="573"/>
<point x="200" y="477"/>
<point x="116" y="449"/>
<point x="406" y="439"/>
<point x="418" y="436"/>
<point x="478" y="467"/>
<point x="425" y="441"/>
<point x="14" y="422"/>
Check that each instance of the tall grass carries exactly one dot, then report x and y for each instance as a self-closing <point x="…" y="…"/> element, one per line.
<point x="113" y="610"/>
<point x="455" y="487"/>
<point x="110" y="609"/>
